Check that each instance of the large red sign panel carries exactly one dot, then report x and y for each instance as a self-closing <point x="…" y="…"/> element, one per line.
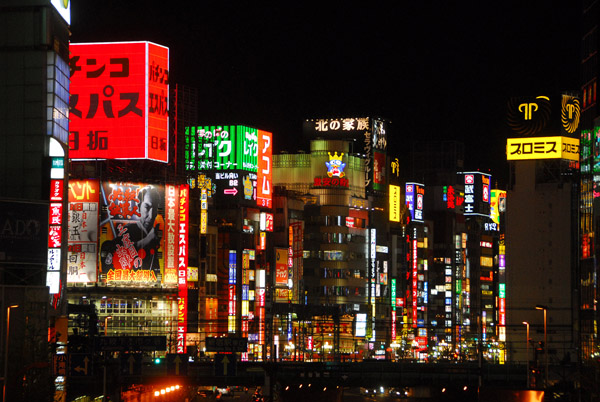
<point x="131" y="235"/>
<point x="119" y="101"/>
<point x="264" y="182"/>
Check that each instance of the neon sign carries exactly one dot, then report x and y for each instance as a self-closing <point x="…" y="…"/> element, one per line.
<point x="119" y="101"/>
<point x="182" y="268"/>
<point x="335" y="166"/>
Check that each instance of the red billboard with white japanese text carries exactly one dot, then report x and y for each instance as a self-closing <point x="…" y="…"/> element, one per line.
<point x="119" y="101"/>
<point x="264" y="182"/>
<point x="131" y="233"/>
<point x="82" y="257"/>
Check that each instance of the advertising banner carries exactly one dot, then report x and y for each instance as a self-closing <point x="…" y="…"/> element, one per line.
<point x="542" y="148"/>
<point x="415" y="192"/>
<point x="119" y="101"/>
<point x="371" y="132"/>
<point x="281" y="266"/>
<point x="477" y="193"/>
<point x="265" y="169"/>
<point x="82" y="257"/>
<point x="131" y="232"/>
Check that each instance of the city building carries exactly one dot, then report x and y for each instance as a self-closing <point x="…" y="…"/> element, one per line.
<point x="34" y="92"/>
<point x="542" y="284"/>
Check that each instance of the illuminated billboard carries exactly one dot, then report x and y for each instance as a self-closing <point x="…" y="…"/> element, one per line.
<point x="415" y="193"/>
<point x="477" y="193"/>
<point x="371" y="132"/>
<point x="240" y="159"/>
<point x="119" y="101"/>
<point x="82" y="257"/>
<point x="63" y="7"/>
<point x="395" y="211"/>
<point x="221" y="148"/>
<point x="264" y="188"/>
<point x="497" y="205"/>
<point x="281" y="267"/>
<point x="131" y="232"/>
<point x="235" y="187"/>
<point x="542" y="148"/>
<point x="182" y="267"/>
<point x="538" y="115"/>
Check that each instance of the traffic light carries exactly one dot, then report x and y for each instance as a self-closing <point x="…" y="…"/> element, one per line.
<point x="157" y="360"/>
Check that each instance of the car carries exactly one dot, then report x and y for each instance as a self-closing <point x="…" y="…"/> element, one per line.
<point x="368" y="391"/>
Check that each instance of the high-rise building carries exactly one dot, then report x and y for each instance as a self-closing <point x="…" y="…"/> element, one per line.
<point x="542" y="232"/>
<point x="34" y="102"/>
<point x="589" y="183"/>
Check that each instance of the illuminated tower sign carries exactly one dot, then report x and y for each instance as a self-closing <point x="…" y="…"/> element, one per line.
<point x="415" y="194"/>
<point x="371" y="132"/>
<point x="477" y="193"/>
<point x="119" y="101"/>
<point x="239" y="156"/>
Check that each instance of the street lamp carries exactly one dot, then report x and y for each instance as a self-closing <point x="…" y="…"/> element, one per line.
<point x="6" y="350"/>
<point x="539" y="307"/>
<point x="106" y="322"/>
<point x="108" y="317"/>
<point x="527" y="343"/>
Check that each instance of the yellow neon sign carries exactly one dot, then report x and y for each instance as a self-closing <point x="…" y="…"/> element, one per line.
<point x="394" y="203"/>
<point x="542" y="148"/>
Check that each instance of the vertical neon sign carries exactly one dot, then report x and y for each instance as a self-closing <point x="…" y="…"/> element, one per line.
<point x="414" y="278"/>
<point x="393" y="302"/>
<point x="232" y="290"/>
<point x="182" y="267"/>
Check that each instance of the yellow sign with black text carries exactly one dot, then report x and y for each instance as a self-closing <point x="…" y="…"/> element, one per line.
<point x="542" y="148"/>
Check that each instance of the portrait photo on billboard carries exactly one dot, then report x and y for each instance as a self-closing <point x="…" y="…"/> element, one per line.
<point x="131" y="232"/>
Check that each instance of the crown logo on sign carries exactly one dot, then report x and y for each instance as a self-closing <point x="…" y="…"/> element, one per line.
<point x="335" y="156"/>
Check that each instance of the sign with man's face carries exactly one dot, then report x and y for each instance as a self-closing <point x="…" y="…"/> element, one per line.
<point x="132" y="236"/>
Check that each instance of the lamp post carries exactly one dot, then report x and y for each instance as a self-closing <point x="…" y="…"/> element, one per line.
<point x="527" y="347"/>
<point x="105" y="323"/>
<point x="6" y="350"/>
<point x="539" y="307"/>
<point x="109" y="317"/>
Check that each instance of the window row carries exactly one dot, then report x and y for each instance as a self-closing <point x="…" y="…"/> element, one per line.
<point x="342" y="291"/>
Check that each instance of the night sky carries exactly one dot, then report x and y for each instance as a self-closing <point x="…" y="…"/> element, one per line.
<point x="437" y="71"/>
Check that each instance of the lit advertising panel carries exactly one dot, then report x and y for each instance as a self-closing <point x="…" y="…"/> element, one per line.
<point x="82" y="257"/>
<point x="221" y="148"/>
<point x="542" y="148"/>
<point x="281" y="266"/>
<point x="264" y="186"/>
<point x="371" y="132"/>
<point x="119" y="101"/>
<point x="131" y="232"/>
<point x="394" y="203"/>
<point x="596" y="155"/>
<point x="379" y="170"/>
<point x="497" y="205"/>
<point x="63" y="7"/>
<point x="415" y="194"/>
<point x="182" y="267"/>
<point x="477" y="193"/>
<point x="170" y="235"/>
<point x="235" y="187"/>
<point x="360" y="325"/>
